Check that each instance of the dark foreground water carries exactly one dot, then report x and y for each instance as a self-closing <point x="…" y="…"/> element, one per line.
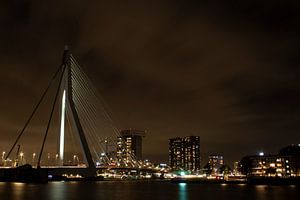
<point x="143" y="191"/>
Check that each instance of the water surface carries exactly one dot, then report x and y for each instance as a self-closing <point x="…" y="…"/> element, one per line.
<point x="109" y="190"/>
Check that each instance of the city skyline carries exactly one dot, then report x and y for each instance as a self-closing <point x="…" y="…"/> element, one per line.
<point x="172" y="68"/>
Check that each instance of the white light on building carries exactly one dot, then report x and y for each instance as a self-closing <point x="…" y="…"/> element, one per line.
<point x="261" y="154"/>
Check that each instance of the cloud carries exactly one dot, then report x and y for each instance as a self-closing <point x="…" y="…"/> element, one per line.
<point x="226" y="71"/>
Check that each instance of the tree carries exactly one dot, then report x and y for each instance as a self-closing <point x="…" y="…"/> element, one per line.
<point x="225" y="169"/>
<point x="245" y="165"/>
<point x="207" y="168"/>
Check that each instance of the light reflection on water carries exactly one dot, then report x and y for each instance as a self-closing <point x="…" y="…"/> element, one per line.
<point x="261" y="191"/>
<point x="57" y="191"/>
<point x="19" y="190"/>
<point x="183" y="195"/>
<point x="131" y="190"/>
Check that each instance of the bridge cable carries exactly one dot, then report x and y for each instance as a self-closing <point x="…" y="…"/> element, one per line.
<point x="106" y="116"/>
<point x="85" y="106"/>
<point x="86" y="98"/>
<point x="51" y="114"/>
<point x="87" y="109"/>
<point x="33" y="112"/>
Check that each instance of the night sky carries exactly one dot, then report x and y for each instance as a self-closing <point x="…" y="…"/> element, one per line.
<point x="227" y="71"/>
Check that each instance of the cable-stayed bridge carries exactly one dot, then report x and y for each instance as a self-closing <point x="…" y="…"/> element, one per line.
<point x="83" y="117"/>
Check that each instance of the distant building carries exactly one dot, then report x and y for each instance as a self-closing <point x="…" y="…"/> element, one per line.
<point x="285" y="164"/>
<point x="215" y="163"/>
<point x="129" y="145"/>
<point x="176" y="153"/>
<point x="191" y="147"/>
<point x="184" y="153"/>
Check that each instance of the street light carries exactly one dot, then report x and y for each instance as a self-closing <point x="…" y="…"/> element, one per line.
<point x="3" y="155"/>
<point x="74" y="159"/>
<point x="21" y="158"/>
<point x="48" y="158"/>
<point x="33" y="158"/>
<point x="56" y="159"/>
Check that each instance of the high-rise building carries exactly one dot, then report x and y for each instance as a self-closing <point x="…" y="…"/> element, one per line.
<point x="129" y="144"/>
<point x="184" y="153"/>
<point x="215" y="162"/>
<point x="176" y="153"/>
<point x="191" y="147"/>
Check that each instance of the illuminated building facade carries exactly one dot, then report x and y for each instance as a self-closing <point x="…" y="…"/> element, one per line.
<point x="129" y="144"/>
<point x="191" y="147"/>
<point x="184" y="153"/>
<point x="215" y="163"/>
<point x="176" y="153"/>
<point x="274" y="166"/>
<point x="284" y="164"/>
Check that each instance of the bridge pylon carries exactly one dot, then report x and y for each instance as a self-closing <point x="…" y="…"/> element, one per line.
<point x="69" y="105"/>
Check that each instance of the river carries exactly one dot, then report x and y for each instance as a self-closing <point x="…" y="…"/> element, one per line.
<point x="133" y="190"/>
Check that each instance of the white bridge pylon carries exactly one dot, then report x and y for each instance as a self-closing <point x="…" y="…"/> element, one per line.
<point x="67" y="104"/>
<point x="88" y="113"/>
<point x="62" y="128"/>
<point x="85" y="109"/>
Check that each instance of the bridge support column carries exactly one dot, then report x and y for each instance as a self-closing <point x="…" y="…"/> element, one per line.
<point x="62" y="128"/>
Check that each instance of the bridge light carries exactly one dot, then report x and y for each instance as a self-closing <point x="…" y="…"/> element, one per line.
<point x="3" y="155"/>
<point x="33" y="158"/>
